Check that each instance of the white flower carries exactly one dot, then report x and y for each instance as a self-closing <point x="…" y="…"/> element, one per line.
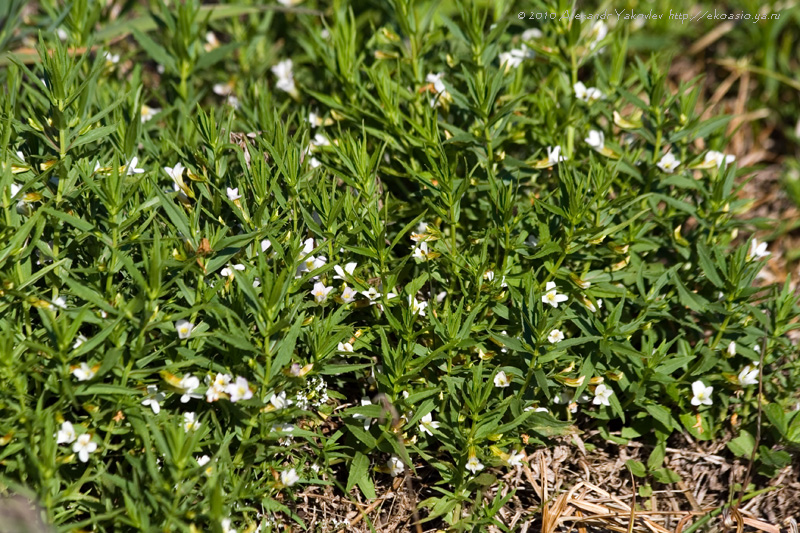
<point x="83" y="372"/>
<point x="602" y="394"/>
<point x="748" y="375"/>
<point x="283" y="71"/>
<point x="531" y="34"/>
<point x="149" y="112"/>
<point x="555" y="336"/>
<point x="372" y="294"/>
<point x="367" y="420"/>
<point x="732" y="348"/>
<point x="515" y="458"/>
<point x="239" y="390"/>
<point x="218" y="387"/>
<point x="348" y="294"/>
<point x="84" y="446"/>
<point x="590" y="94"/>
<point x="226" y="526"/>
<point x="289" y="477"/>
<point x="488" y="275"/>
<point x="315" y="120"/>
<point x="474" y="465"/>
<point x="345" y="347"/>
<point x="189" y="384"/>
<point x="757" y="348"/>
<point x="596" y="139"/>
<point x="501" y="380"/>
<point x="321" y="292"/>
<point x="426" y="424"/>
<point x="438" y="85"/>
<point x="757" y="250"/>
<point x="417" y="308"/>
<point x="420" y="252"/>
<point x="265" y="244"/>
<point x="702" y="394"/>
<point x="719" y="158"/>
<point x="111" y="58"/>
<point x="61" y="303"/>
<point x="551" y="296"/>
<point x="80" y="339"/>
<point x="154" y="400"/>
<point x="340" y="273"/>
<point x="668" y="163"/>
<point x="233" y="194"/>
<point x="184" y="328"/>
<point x="598" y="33"/>
<point x="279" y="401"/>
<point x="554" y="155"/>
<point x="395" y="466"/>
<point x="513" y="58"/>
<point x="66" y="435"/>
<point x="319" y="140"/>
<point x="189" y="422"/>
<point x="132" y="167"/>
<point x="204" y="460"/>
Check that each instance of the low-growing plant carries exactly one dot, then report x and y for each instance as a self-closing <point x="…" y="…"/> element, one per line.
<point x="424" y="241"/>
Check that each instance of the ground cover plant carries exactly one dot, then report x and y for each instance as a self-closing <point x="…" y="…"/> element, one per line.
<point x="249" y="249"/>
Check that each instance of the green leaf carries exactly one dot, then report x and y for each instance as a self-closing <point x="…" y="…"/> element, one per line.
<point x="359" y="474"/>
<point x="742" y="446"/>
<point x="636" y="467"/>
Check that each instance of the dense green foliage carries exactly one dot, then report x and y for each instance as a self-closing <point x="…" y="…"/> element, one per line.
<point x="173" y="220"/>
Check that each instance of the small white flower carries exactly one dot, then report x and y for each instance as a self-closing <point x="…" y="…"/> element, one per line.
<point x="514" y="58"/>
<point x="554" y="155"/>
<point x="420" y="252"/>
<point x="111" y="58"/>
<point x="289" y="477"/>
<point x="132" y="167"/>
<point x="189" y="422"/>
<point x="758" y="251"/>
<point x="395" y="466"/>
<point x="757" y="348"/>
<point x="349" y="268"/>
<point x="321" y="292"/>
<point x="668" y="163"/>
<point x="417" y="307"/>
<point x="598" y="33"/>
<point x="372" y="294"/>
<point x="155" y="399"/>
<point x="80" y="339"/>
<point x="348" y="294"/>
<point x="226" y="526"/>
<point x="83" y="372"/>
<point x="149" y="112"/>
<point x="239" y="390"/>
<point x="488" y="275"/>
<point x="60" y="302"/>
<point x="367" y="420"/>
<point x="184" y="328"/>
<point x="748" y="375"/>
<point x="66" y="435"/>
<point x="84" y="446"/>
<point x="439" y="87"/>
<point x="474" y="465"/>
<point x="531" y="34"/>
<point x="345" y="347"/>
<point x="265" y="244"/>
<point x="732" y="348"/>
<point x="283" y="71"/>
<point x="218" y="387"/>
<point x="587" y="94"/>
<point x="602" y="394"/>
<point x="719" y="158"/>
<point x="315" y="120"/>
<point x="279" y="401"/>
<point x="552" y="296"/>
<point x="426" y="424"/>
<point x="701" y="393"/>
<point x="501" y="380"/>
<point x="189" y="384"/>
<point x="555" y="336"/>
<point x="596" y="139"/>
<point x="204" y="460"/>
<point x="233" y="194"/>
<point x="515" y="458"/>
